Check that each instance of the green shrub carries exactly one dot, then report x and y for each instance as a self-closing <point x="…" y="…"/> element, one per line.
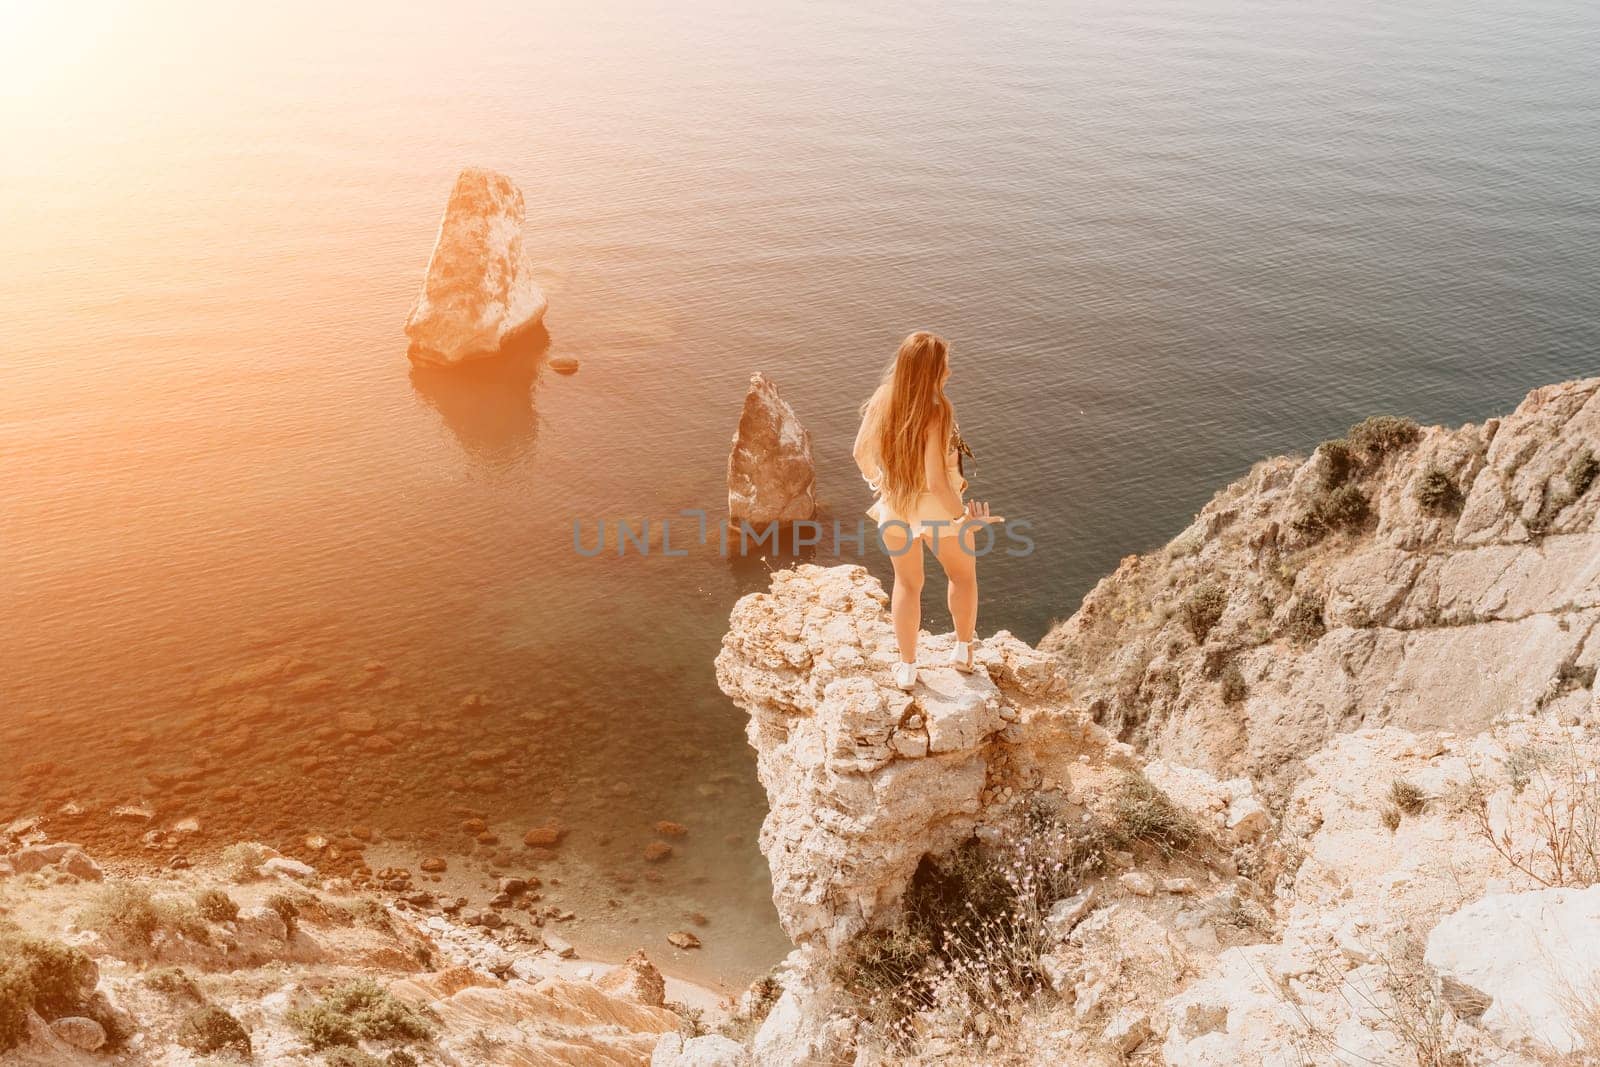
<point x="287" y="910"/>
<point x="355" y="1011"/>
<point x="1379" y="435"/>
<point x="1145" y="813"/>
<point x="1437" y="492"/>
<point x="1343" y="508"/>
<point x="1202" y="609"/>
<point x="216" y="906"/>
<point x="1304" y="622"/>
<point x="127" y="913"/>
<point x="347" y="1056"/>
<point x="173" y="982"/>
<point x="1582" y="472"/>
<point x="1234" y="689"/>
<point x="242" y="862"/>
<point x="210" y="1029"/>
<point x="47" y="977"/>
<point x="1339" y="463"/>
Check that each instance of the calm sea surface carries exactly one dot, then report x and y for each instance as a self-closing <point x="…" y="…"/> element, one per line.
<point x="1165" y="239"/>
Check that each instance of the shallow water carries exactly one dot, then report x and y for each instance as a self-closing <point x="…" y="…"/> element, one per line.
<point x="1165" y="238"/>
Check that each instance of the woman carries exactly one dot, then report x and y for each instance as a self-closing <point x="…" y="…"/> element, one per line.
<point x="909" y="450"/>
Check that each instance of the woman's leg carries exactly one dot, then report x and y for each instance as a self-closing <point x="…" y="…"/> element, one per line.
<point x="960" y="565"/>
<point x="905" y="604"/>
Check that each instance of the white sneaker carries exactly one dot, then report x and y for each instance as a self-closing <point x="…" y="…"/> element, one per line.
<point x="905" y="675"/>
<point x="961" y="656"/>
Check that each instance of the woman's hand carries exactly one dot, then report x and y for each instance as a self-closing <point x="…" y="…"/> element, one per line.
<point x="978" y="511"/>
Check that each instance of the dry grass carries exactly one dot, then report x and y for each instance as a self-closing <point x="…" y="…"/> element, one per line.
<point x="1407" y="797"/>
<point x="129" y="915"/>
<point x="1404" y="1002"/>
<point x="966" y="958"/>
<point x="1202" y="609"/>
<point x="1141" y="812"/>
<point x="1552" y="834"/>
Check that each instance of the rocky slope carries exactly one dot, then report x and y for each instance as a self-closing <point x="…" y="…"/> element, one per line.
<point x="274" y="964"/>
<point x="1421" y="578"/>
<point x="1314" y="784"/>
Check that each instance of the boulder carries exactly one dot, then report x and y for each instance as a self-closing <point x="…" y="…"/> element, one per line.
<point x="79" y="1032"/>
<point x="479" y="289"/>
<point x="291" y="869"/>
<point x="636" y="979"/>
<point x="1534" y="956"/>
<point x="771" y="476"/>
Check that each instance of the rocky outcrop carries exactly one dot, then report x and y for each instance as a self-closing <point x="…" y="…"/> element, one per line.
<point x="479" y="290"/>
<point x="1354" y="588"/>
<point x="1388" y="907"/>
<point x="866" y="782"/>
<point x="863" y="780"/>
<point x="771" y="476"/>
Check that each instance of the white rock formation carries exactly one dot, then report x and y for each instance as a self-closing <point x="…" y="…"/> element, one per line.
<point x="771" y="476"/>
<point x="864" y="780"/>
<point x="479" y="289"/>
<point x="1535" y="957"/>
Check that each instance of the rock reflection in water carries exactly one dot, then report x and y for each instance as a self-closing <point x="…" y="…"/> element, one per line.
<point x="488" y="403"/>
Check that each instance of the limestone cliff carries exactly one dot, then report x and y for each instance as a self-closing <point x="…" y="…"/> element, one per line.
<point x="1414" y="577"/>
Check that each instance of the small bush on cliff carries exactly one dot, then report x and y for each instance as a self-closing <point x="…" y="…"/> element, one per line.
<point x="1407" y="796"/>
<point x="356" y="1011"/>
<point x="1344" y="508"/>
<point x="1145" y="813"/>
<point x="173" y="982"/>
<point x="1304" y="624"/>
<point x="1202" y="609"/>
<point x="753" y="1009"/>
<point x="1339" y="464"/>
<point x="210" y="1029"/>
<point x="1234" y="689"/>
<point x="1437" y="492"/>
<point x="1582" y="472"/>
<point x="242" y="861"/>
<point x="46" y="977"/>
<point x="216" y="906"/>
<point x="288" y="910"/>
<point x="1378" y="435"/>
<point x="126" y="913"/>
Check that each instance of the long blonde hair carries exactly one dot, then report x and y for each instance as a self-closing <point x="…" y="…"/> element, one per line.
<point x="901" y="413"/>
